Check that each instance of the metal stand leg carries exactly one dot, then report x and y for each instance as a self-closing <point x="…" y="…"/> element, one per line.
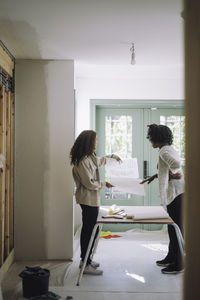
<point x="179" y="238"/>
<point x="87" y="253"/>
<point x="96" y="241"/>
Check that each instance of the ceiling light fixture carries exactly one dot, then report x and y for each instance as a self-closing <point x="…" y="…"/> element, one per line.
<point x="132" y="49"/>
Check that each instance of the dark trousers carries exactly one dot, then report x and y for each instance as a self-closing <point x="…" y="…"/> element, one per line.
<point x="89" y="218"/>
<point x="174" y="210"/>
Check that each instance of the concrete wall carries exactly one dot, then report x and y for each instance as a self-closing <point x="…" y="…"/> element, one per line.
<point x="43" y="181"/>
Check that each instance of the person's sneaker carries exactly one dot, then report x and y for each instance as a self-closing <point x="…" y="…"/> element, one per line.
<point x="93" y="263"/>
<point x="89" y="269"/>
<point x="172" y="269"/>
<point x="163" y="263"/>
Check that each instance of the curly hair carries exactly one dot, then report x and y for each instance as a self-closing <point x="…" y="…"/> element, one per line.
<point x="83" y="146"/>
<point x="160" y="134"/>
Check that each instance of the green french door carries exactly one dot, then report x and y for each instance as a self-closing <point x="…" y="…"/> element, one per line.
<point x="123" y="131"/>
<point x="119" y="131"/>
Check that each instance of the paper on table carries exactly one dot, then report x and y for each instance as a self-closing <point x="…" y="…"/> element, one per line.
<point x="127" y="185"/>
<point x="127" y="168"/>
<point x="148" y="212"/>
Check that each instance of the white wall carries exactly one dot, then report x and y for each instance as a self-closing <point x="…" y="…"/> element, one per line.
<point x="43" y="181"/>
<point x="148" y="83"/>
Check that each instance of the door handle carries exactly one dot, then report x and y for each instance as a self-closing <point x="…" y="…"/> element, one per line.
<point x="145" y="169"/>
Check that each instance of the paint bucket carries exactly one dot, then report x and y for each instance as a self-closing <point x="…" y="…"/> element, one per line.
<point x="35" y="281"/>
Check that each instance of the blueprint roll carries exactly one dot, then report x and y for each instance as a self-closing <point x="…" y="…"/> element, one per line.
<point x="147" y="212"/>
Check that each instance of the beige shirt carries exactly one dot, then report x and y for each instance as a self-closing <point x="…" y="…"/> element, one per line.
<point x="169" y="161"/>
<point x="87" y="179"/>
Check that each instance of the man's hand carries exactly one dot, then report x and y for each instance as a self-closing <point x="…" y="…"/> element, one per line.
<point x="150" y="179"/>
<point x="174" y="176"/>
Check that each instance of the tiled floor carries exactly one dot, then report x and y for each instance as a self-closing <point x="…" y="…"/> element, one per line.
<point x="129" y="269"/>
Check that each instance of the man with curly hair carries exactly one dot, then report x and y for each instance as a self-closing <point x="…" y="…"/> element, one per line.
<point x="171" y="188"/>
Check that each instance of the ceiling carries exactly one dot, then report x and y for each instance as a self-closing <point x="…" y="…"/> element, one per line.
<point x="95" y="33"/>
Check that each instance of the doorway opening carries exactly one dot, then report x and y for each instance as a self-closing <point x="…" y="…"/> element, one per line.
<point x="121" y="127"/>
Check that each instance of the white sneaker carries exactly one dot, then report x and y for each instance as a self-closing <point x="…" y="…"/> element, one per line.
<point x="89" y="269"/>
<point x="93" y="263"/>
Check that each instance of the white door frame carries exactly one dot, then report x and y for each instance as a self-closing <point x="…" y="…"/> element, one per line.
<point x="121" y="103"/>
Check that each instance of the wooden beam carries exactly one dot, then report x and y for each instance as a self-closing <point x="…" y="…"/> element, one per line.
<point x="2" y="171"/>
<point x="12" y="142"/>
<point x="7" y="176"/>
<point x="7" y="150"/>
<point x="6" y="62"/>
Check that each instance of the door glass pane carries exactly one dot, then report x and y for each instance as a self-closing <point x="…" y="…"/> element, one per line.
<point x="119" y="135"/>
<point x="177" y="126"/>
<point x="118" y="132"/>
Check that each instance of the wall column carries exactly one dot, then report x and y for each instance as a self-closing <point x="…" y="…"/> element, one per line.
<point x="43" y="179"/>
<point x="192" y="106"/>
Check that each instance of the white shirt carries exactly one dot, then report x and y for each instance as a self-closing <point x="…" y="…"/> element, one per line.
<point x="169" y="160"/>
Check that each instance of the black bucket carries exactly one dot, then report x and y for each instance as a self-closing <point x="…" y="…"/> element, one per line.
<point x="35" y="281"/>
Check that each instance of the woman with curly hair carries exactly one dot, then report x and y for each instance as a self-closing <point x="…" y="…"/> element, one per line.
<point x="171" y="187"/>
<point x="88" y="185"/>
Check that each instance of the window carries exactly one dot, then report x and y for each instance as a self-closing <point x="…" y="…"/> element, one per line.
<point x="118" y="132"/>
<point x="119" y="135"/>
<point x="177" y="126"/>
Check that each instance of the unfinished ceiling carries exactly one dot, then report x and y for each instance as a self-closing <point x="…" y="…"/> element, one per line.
<point x="95" y="32"/>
